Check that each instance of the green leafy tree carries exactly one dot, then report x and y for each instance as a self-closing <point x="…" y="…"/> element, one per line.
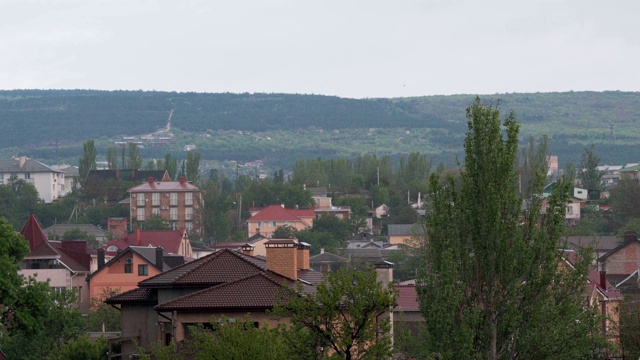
<point x="170" y="165"/>
<point x="88" y="159"/>
<point x="344" y="317"/>
<point x="588" y="173"/>
<point x="229" y="340"/>
<point x="81" y="348"/>
<point x="624" y="198"/>
<point x="284" y="232"/>
<point x="101" y="315"/>
<point x="338" y="228"/>
<point x="112" y="158"/>
<point x="13" y="248"/>
<point x="492" y="284"/>
<point x="155" y="222"/>
<point x="135" y="160"/>
<point x="192" y="171"/>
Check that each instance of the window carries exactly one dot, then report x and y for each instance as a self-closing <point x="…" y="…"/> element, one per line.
<point x="188" y="213"/>
<point x="128" y="268"/>
<point x="174" y="199"/>
<point x="155" y="211"/>
<point x="174" y="226"/>
<point x="143" y="270"/>
<point x="188" y="198"/>
<point x="569" y="210"/>
<point x="173" y="215"/>
<point x="27" y="175"/>
<point x="155" y="199"/>
<point x="188" y="226"/>
<point x="274" y="224"/>
<point x="140" y="214"/>
<point x="260" y="224"/>
<point x="140" y="199"/>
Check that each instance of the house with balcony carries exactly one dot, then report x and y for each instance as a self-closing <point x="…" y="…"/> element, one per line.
<point x="177" y="202"/>
<point x="49" y="181"/>
<point x="65" y="264"/>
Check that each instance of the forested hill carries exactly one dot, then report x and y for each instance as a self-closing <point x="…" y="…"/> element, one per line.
<point x="33" y="120"/>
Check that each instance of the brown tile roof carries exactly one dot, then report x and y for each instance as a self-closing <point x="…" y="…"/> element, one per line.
<point x="219" y="267"/>
<point x="278" y="213"/>
<point x="257" y="291"/>
<point x="407" y="298"/>
<point x="138" y="295"/>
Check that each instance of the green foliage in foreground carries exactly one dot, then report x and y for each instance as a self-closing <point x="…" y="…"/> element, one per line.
<point x="492" y="283"/>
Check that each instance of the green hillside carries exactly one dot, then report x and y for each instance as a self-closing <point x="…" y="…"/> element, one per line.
<point x="278" y="128"/>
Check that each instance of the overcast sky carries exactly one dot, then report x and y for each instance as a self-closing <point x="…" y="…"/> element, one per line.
<point x="368" y="48"/>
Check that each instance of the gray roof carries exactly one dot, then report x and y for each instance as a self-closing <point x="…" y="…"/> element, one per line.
<point x="13" y="166"/>
<point x="60" y="229"/>
<point x="599" y="243"/>
<point x="326" y="257"/>
<point x="405" y="229"/>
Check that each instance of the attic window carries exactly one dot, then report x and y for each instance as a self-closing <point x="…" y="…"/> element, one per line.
<point x="112" y="248"/>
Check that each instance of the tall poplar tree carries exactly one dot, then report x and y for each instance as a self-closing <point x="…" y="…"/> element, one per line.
<point x="88" y="159"/>
<point x="590" y="176"/>
<point x="492" y="284"/>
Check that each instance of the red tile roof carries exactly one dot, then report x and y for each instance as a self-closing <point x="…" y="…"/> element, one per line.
<point x="33" y="233"/>
<point x="257" y="291"/>
<point x="278" y="213"/>
<point x="609" y="291"/>
<point x="169" y="240"/>
<point x="38" y="243"/>
<point x="407" y="298"/>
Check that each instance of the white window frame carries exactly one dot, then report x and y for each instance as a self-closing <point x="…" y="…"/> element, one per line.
<point x="140" y="214"/>
<point x="140" y="201"/>
<point x="173" y="200"/>
<point x="188" y="199"/>
<point x="173" y="214"/>
<point x="155" y="199"/>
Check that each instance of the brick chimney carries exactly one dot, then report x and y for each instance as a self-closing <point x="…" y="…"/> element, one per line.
<point x="182" y="180"/>
<point x="137" y="239"/>
<point x="150" y="180"/>
<point x="101" y="261"/>
<point x="282" y="257"/>
<point x="384" y="272"/>
<point x="303" y="256"/>
<point x="247" y="249"/>
<point x="159" y="258"/>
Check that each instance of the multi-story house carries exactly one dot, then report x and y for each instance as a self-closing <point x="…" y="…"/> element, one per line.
<point x="266" y="221"/>
<point x="65" y="264"/>
<point x="49" y="182"/>
<point x="178" y="202"/>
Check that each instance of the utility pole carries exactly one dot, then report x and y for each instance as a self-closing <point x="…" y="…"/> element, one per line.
<point x="378" y="173"/>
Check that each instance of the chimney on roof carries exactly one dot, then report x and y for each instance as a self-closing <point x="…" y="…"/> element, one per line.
<point x="384" y="272"/>
<point x="303" y="256"/>
<point x="133" y="174"/>
<point x="117" y="174"/>
<point x="150" y="180"/>
<point x="159" y="258"/>
<point x="282" y="205"/>
<point x="603" y="279"/>
<point x="100" y="258"/>
<point x="137" y="237"/>
<point x="182" y="180"/>
<point x="247" y="249"/>
<point x="282" y="257"/>
<point x="630" y="236"/>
